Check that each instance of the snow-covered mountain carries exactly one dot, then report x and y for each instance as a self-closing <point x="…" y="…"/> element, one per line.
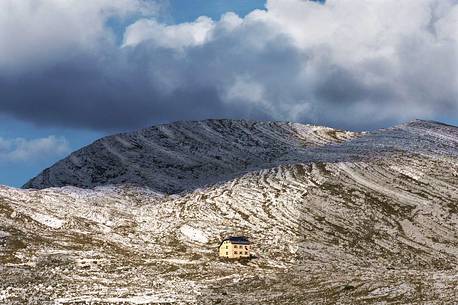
<point x="334" y="217"/>
<point x="186" y="155"/>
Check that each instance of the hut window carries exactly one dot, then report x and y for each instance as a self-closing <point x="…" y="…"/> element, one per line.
<point x="235" y="252"/>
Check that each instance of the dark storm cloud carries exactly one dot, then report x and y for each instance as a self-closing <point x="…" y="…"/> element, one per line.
<point x="99" y="94"/>
<point x="296" y="61"/>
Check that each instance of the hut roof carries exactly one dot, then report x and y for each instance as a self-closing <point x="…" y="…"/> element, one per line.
<point x="240" y="240"/>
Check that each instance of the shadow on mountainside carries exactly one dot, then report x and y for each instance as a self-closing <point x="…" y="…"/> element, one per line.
<point x="184" y="156"/>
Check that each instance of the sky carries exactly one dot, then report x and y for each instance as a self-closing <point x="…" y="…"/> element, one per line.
<point x="73" y="71"/>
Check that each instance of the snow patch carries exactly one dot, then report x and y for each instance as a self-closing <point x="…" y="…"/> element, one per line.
<point x="409" y="172"/>
<point x="194" y="234"/>
<point x="140" y="299"/>
<point x="4" y="234"/>
<point x="47" y="220"/>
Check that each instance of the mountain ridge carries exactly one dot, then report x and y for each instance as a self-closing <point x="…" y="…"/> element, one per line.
<point x="186" y="150"/>
<point x="177" y="157"/>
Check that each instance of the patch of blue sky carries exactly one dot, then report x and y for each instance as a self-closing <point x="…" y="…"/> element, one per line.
<point x="16" y="173"/>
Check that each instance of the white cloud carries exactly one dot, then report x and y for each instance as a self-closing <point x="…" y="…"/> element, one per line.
<point x="245" y="90"/>
<point x="23" y="150"/>
<point x="37" y="31"/>
<point x="169" y="36"/>
<point x="388" y="58"/>
<point x="351" y="63"/>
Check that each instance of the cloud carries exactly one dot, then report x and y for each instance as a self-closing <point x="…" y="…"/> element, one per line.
<point x="174" y="36"/>
<point x="23" y="150"/>
<point x="39" y="33"/>
<point x="347" y="63"/>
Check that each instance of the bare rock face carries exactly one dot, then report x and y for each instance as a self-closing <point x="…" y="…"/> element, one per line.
<point x="336" y="218"/>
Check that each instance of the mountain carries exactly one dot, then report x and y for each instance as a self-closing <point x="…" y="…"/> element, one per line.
<point x="187" y="155"/>
<point x="335" y="218"/>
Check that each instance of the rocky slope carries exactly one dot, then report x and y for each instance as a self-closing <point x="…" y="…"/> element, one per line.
<point x="185" y="155"/>
<point x="372" y="220"/>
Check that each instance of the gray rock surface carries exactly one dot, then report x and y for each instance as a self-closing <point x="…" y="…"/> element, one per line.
<point x="186" y="155"/>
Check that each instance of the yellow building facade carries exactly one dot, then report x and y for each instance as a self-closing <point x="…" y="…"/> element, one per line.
<point x="235" y="247"/>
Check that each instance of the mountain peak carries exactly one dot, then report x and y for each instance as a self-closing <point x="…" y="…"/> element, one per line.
<point x="185" y="155"/>
<point x="426" y="124"/>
